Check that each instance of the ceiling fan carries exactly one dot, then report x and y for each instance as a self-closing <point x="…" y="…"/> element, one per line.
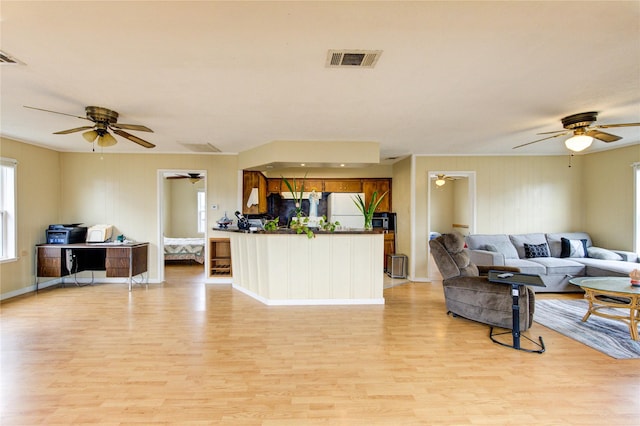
<point x="193" y="177"/>
<point x="105" y="120"/>
<point x="583" y="132"/>
<point x="442" y="179"/>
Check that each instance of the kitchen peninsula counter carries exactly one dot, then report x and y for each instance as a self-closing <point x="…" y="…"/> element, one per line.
<point x="285" y="268"/>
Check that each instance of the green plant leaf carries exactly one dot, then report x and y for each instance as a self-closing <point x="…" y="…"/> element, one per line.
<point x="373" y="205"/>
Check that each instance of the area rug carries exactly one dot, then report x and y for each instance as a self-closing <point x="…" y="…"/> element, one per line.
<point x="607" y="336"/>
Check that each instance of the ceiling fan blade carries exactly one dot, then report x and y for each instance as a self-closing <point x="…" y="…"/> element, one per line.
<point x="131" y="127"/>
<point x="539" y="140"/>
<point x="56" y="112"/>
<point x="177" y="177"/>
<point x="606" y="126"/>
<point x="603" y="136"/>
<point x="550" y="133"/>
<point x="77" y="129"/>
<point x="133" y="138"/>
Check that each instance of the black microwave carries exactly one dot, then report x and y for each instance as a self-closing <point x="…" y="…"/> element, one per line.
<point x="380" y="222"/>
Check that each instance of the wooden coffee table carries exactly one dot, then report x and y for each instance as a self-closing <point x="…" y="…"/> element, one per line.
<point x="618" y="293"/>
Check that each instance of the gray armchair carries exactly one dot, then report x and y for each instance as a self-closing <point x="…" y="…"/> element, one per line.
<point x="470" y="295"/>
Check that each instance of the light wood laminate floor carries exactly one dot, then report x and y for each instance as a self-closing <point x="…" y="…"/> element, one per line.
<point x="187" y="353"/>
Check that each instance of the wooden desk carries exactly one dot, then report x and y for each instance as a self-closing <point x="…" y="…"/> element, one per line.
<point x="118" y="260"/>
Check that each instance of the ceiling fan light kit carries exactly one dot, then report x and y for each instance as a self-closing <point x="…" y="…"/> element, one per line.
<point x="440" y="181"/>
<point x="90" y="136"/>
<point x="578" y="143"/>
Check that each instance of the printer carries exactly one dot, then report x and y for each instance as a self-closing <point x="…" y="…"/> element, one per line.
<point x="66" y="234"/>
<point x="99" y="233"/>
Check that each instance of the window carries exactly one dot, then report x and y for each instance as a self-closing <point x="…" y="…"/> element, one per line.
<point x="8" y="168"/>
<point x="202" y="212"/>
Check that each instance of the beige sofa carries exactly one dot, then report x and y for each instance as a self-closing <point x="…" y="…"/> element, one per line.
<point x="556" y="257"/>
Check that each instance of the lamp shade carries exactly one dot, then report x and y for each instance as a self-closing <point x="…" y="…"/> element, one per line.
<point x="107" y="140"/>
<point x="440" y="181"/>
<point x="90" y="136"/>
<point x="578" y="143"/>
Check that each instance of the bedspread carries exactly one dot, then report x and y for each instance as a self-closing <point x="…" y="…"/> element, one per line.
<point x="184" y="249"/>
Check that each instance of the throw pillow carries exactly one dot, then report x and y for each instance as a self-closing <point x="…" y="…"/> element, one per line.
<point x="603" y="254"/>
<point x="536" y="250"/>
<point x="573" y="248"/>
<point x="505" y="248"/>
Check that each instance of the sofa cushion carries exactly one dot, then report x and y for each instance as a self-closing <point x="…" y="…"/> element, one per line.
<point x="555" y="240"/>
<point x="526" y="266"/>
<point x="501" y="242"/>
<point x="503" y="247"/>
<point x="536" y="250"/>
<point x="607" y="268"/>
<point x="560" y="266"/>
<point x="573" y="248"/>
<point x="603" y="254"/>
<point x="519" y="240"/>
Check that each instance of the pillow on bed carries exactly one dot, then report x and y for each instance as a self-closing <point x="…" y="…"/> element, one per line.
<point x="536" y="250"/>
<point x="603" y="254"/>
<point x="573" y="248"/>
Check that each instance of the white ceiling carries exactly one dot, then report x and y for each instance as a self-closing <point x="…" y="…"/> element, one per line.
<point x="471" y="78"/>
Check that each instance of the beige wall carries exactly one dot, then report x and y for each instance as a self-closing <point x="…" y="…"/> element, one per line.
<point x="39" y="204"/>
<point x="608" y="196"/>
<point x="401" y="188"/>
<point x="183" y="208"/>
<point x="443" y="210"/>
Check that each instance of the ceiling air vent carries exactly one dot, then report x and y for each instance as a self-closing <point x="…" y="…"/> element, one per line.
<point x="353" y="58"/>
<point x="5" y="58"/>
<point x="200" y="147"/>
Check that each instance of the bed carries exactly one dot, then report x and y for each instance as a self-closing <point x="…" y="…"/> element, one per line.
<point x="184" y="249"/>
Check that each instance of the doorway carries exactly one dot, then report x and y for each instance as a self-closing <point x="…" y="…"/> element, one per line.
<point x="182" y="222"/>
<point x="451" y="207"/>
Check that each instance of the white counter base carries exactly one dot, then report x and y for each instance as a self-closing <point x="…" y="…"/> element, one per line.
<point x="289" y="269"/>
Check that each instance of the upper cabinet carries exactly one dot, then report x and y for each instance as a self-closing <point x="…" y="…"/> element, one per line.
<point x="254" y="193"/>
<point x="274" y="185"/>
<point x="365" y="185"/>
<point x="369" y="186"/>
<point x="343" y="185"/>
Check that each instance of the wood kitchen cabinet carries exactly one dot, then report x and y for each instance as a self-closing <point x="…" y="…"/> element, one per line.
<point x="369" y="186"/>
<point x="343" y="185"/>
<point x="277" y="185"/>
<point x="251" y="180"/>
<point x="274" y="185"/>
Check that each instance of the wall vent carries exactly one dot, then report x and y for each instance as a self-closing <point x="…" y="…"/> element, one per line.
<point x="352" y="58"/>
<point x="5" y="58"/>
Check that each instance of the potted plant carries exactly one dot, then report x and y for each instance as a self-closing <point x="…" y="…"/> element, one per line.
<point x="368" y="211"/>
<point x="301" y="224"/>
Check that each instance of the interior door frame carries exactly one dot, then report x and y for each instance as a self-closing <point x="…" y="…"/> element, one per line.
<point x="471" y="175"/>
<point x="160" y="190"/>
